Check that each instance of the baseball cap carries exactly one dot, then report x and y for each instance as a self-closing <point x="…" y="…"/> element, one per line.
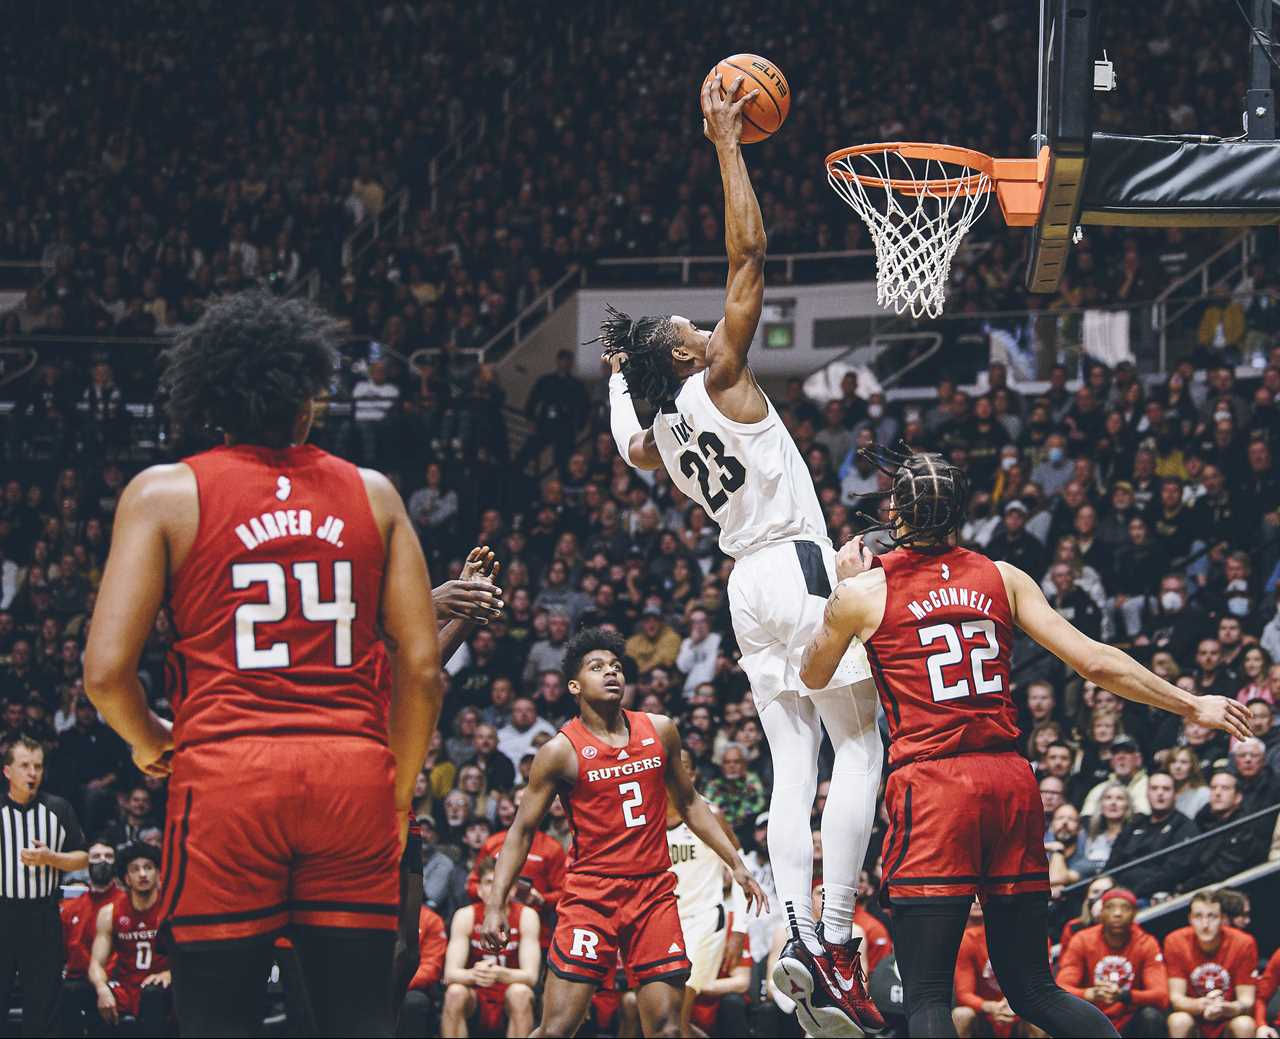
<point x="1120" y="892"/>
<point x="1125" y="743"/>
<point x="1015" y="506"/>
<point x="651" y="611"/>
<point x="762" y="819"/>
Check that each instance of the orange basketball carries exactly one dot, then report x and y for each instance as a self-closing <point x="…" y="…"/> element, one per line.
<point x="763" y="115"/>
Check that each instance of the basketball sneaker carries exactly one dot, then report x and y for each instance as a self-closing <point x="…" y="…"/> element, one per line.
<point x="810" y="983"/>
<point x="854" y="999"/>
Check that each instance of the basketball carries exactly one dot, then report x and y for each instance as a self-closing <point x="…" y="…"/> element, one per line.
<point x="763" y="115"/>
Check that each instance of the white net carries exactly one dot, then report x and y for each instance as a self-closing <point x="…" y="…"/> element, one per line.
<point x="918" y="211"/>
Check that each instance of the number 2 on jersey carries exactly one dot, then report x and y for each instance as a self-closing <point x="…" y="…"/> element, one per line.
<point x="340" y="610"/>
<point x="635" y="800"/>
<point x="730" y="471"/>
<point x="954" y="654"/>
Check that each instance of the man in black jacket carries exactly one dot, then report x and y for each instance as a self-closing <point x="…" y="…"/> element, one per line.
<point x="1013" y="544"/>
<point x="1164" y="828"/>
<point x="1234" y="850"/>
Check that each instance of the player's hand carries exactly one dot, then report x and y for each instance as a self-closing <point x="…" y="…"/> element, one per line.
<point x="615" y="360"/>
<point x="37" y="855"/>
<point x="854" y="558"/>
<point x="478" y="600"/>
<point x="494" y="928"/>
<point x="1107" y="992"/>
<point x="480" y="562"/>
<point x="1214" y="1008"/>
<point x="485" y="973"/>
<point x="1218" y="712"/>
<point x="1267" y="1032"/>
<point x="161" y="980"/>
<point x="1003" y="1013"/>
<point x="107" y="1005"/>
<point x="757" y="900"/>
<point x="721" y="113"/>
<point x="154" y="753"/>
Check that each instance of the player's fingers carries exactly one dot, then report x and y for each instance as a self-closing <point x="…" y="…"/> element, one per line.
<point x="495" y="570"/>
<point x="743" y="101"/>
<point x="732" y="92"/>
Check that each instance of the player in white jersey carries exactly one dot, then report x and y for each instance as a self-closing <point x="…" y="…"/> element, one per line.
<point x="725" y="447"/>
<point x="701" y="879"/>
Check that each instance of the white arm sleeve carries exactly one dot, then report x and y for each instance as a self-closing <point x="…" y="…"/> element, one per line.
<point x="622" y="417"/>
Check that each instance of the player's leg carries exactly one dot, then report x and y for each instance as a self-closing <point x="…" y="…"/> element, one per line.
<point x="659" y="1006"/>
<point x="1146" y="1023"/>
<point x="203" y="977"/>
<point x="346" y="970"/>
<point x="704" y="938"/>
<point x="564" y="1006"/>
<point x="1242" y="1026"/>
<point x="407" y="951"/>
<point x="154" y="1008"/>
<point x="1016" y="930"/>
<point x="628" y="1016"/>
<point x="794" y="732"/>
<point x="1181" y="1025"/>
<point x="926" y="938"/>
<point x="963" y="1019"/>
<point x="518" y="1000"/>
<point x="459" y="1005"/>
<point x="686" y="1009"/>
<point x="849" y="715"/>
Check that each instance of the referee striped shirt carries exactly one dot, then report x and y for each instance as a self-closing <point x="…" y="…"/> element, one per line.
<point x="46" y="818"/>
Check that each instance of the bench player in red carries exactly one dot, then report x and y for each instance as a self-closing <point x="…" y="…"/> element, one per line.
<point x="612" y="769"/>
<point x="280" y="566"/>
<point x="965" y="812"/>
<point x="127" y="964"/>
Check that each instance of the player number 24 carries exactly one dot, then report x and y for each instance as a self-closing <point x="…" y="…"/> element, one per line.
<point x="953" y="654"/>
<point x="731" y="473"/>
<point x="339" y="611"/>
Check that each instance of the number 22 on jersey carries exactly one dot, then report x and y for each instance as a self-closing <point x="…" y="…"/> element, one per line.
<point x="980" y="636"/>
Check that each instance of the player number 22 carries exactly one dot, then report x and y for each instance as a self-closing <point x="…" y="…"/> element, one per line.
<point x="954" y="654"/>
<point x="340" y="611"/>
<point x="634" y="800"/>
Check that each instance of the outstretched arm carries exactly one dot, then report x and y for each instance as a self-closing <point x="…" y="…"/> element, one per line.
<point x="848" y="613"/>
<point x="637" y="446"/>
<point x="548" y="765"/>
<point x="1110" y="668"/>
<point x="697" y="813"/>
<point x="744" y="237"/>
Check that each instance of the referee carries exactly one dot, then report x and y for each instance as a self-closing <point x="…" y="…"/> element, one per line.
<point x="40" y="839"/>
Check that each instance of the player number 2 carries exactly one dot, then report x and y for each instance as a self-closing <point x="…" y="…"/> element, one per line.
<point x="732" y="474"/>
<point x="143" y="960"/>
<point x="954" y="654"/>
<point x="634" y="800"/>
<point x="339" y="611"/>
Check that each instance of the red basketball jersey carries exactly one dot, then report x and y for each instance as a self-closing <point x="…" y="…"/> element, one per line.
<point x="134" y="942"/>
<point x="941" y="655"/>
<point x="79" y="926"/>
<point x="275" y="604"/>
<point x="480" y="951"/>
<point x="618" y="808"/>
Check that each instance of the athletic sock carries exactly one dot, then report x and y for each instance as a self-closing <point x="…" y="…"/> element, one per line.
<point x="837" y="912"/>
<point x="800" y="920"/>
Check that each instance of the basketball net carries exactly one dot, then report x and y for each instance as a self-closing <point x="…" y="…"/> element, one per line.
<point x="918" y="211"/>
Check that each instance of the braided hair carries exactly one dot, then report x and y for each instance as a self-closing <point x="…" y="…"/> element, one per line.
<point x="649" y="369"/>
<point x="248" y="367"/>
<point x="929" y="494"/>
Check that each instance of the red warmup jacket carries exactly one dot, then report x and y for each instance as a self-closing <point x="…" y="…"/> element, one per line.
<point x="432" y="942"/>
<point x="1138" y="969"/>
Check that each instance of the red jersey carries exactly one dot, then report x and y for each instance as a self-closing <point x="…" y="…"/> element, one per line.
<point x="276" y="603"/>
<point x="543" y="868"/>
<point x="1136" y="969"/>
<point x="432" y="944"/>
<point x="134" y="941"/>
<point x="79" y="926"/>
<point x="480" y="951"/>
<point x="941" y="655"/>
<point x="618" y="807"/>
<point x="1267" y="985"/>
<point x="975" y="981"/>
<point x="1234" y="963"/>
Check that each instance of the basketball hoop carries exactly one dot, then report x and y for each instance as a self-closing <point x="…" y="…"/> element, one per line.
<point x="919" y="201"/>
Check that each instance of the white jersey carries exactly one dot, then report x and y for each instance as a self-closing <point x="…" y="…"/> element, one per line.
<point x="699" y="872"/>
<point x="748" y="476"/>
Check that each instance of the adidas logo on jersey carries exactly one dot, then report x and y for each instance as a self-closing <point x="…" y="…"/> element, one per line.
<point x="622" y="755"/>
<point x="675" y="947"/>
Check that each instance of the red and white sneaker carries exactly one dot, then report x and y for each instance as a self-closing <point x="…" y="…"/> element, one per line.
<point x="854" y="999"/>
<point x="810" y="983"/>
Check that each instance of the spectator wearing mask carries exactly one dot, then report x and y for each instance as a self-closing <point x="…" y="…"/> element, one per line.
<point x="1055" y="472"/>
<point x="1164" y="827"/>
<point x="1235" y="848"/>
<point x="698" y="652"/>
<point x="1118" y="967"/>
<point x="1173" y="623"/>
<point x="78" y="1003"/>
<point x="1126" y="770"/>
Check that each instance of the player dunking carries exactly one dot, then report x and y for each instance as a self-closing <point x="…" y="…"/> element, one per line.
<point x="725" y="447"/>
<point x="290" y="790"/>
<point x="613" y="770"/>
<point x="965" y="812"/>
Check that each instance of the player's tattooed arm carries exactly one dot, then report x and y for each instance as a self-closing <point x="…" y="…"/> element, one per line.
<point x="553" y="768"/>
<point x="697" y="813"/>
<point x="853" y="609"/>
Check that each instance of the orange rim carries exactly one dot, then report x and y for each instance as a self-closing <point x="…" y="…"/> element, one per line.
<point x="970" y="184"/>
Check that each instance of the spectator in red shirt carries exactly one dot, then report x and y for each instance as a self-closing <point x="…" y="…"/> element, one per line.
<point x="1212" y="971"/>
<point x="877" y="943"/>
<point x="419" y="1007"/>
<point x="1268" y="983"/>
<point x="1118" y="967"/>
<point x="78" y="1001"/>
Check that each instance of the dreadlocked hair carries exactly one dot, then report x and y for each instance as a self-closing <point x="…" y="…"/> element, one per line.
<point x="649" y="370"/>
<point x="929" y="494"/>
<point x="248" y="366"/>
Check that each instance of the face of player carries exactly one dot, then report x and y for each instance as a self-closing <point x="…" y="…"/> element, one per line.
<point x="599" y="679"/>
<point x="1206" y="921"/>
<point x="693" y="343"/>
<point x="25" y="773"/>
<point x="142" y="876"/>
<point x="484" y="886"/>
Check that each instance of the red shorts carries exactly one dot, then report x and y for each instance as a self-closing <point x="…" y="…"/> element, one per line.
<point x="600" y="917"/>
<point x="997" y="1029"/>
<point x="268" y="832"/>
<point x="961" y="826"/>
<point x="490" y="1014"/>
<point x="128" y="997"/>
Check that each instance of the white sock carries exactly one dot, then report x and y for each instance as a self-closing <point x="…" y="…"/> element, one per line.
<point x="800" y="920"/>
<point x="837" y="912"/>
